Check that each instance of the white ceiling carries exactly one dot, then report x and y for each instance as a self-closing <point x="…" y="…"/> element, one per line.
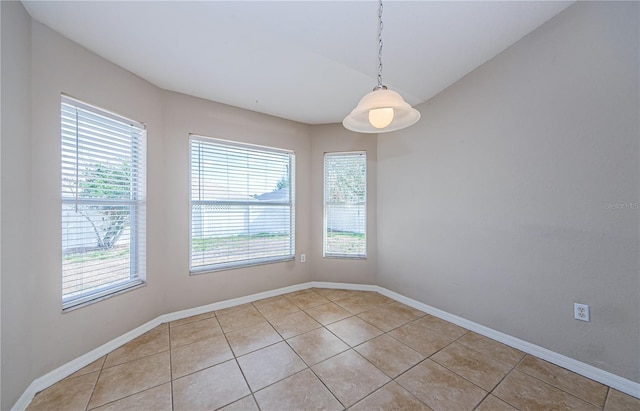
<point x="309" y="61"/>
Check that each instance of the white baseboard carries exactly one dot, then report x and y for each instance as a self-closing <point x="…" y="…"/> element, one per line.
<point x="614" y="381"/>
<point x="69" y="368"/>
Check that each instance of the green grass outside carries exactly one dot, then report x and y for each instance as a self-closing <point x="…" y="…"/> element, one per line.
<point x="96" y="255"/>
<point x="211" y="243"/>
<point x="346" y="243"/>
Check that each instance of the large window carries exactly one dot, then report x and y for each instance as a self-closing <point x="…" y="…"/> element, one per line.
<point x="103" y="203"/>
<point x="242" y="204"/>
<point x="345" y="204"/>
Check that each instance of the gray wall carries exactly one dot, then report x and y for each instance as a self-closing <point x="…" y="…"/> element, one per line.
<point x="334" y="138"/>
<point x="183" y="115"/>
<point x="493" y="207"/>
<point x="517" y="192"/>
<point x="17" y="274"/>
<point x="38" y="65"/>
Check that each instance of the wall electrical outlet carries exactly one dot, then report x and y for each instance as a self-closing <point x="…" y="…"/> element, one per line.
<point x="581" y="312"/>
<point x="303" y="258"/>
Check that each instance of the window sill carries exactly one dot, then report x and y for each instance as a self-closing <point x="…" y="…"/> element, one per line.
<point x="233" y="266"/>
<point x="83" y="302"/>
<point x="345" y="257"/>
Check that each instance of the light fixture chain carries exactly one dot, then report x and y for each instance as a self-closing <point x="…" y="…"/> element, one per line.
<point x="380" y="45"/>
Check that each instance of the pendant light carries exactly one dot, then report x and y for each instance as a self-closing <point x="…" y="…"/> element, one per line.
<point x="381" y="110"/>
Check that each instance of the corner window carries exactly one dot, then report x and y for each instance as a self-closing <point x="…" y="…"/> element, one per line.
<point x="103" y="203"/>
<point x="345" y="204"/>
<point x="242" y="205"/>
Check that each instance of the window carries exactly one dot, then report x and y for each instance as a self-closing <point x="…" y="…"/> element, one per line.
<point x="103" y="203"/>
<point x="345" y="204"/>
<point x="242" y="205"/>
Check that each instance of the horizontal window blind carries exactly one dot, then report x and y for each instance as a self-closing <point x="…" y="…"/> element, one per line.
<point x="345" y="204"/>
<point x="103" y="202"/>
<point x="242" y="204"/>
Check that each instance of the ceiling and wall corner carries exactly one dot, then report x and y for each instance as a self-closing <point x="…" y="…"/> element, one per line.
<point x="308" y="61"/>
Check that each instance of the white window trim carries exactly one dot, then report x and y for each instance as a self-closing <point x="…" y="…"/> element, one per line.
<point x="137" y="259"/>
<point x="241" y="263"/>
<point x="326" y="254"/>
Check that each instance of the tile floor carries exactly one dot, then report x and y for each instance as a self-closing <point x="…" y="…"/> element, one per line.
<point x="323" y="349"/>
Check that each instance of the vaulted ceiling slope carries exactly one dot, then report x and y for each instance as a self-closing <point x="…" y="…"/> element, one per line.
<point x="308" y="61"/>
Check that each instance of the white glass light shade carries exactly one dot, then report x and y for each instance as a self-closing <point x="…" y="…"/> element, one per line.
<point x="403" y="114"/>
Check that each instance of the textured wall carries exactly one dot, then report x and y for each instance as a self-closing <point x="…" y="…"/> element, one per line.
<point x="333" y="138"/>
<point x="516" y="194"/>
<point x="17" y="273"/>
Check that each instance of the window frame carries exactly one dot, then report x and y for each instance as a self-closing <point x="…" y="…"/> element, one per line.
<point x="136" y="204"/>
<point x="203" y="269"/>
<point x="325" y="252"/>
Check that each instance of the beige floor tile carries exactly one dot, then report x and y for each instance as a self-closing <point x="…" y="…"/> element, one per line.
<point x="328" y="313"/>
<point x="153" y="399"/>
<point x="420" y="339"/>
<point x="582" y="387"/>
<point x="231" y="309"/>
<point x="294" y="324"/>
<point x="210" y="388"/>
<point x="390" y="397"/>
<point x="276" y="308"/>
<point x="390" y="355"/>
<point x="252" y="338"/>
<point x="492" y="403"/>
<point x="405" y="311"/>
<point x="244" y="404"/>
<point x="375" y="297"/>
<point x="297" y="293"/>
<point x="350" y="377"/>
<point x="244" y="316"/>
<point x="441" y="326"/>
<point x="355" y="304"/>
<point x="269" y="365"/>
<point x="383" y="319"/>
<point x="317" y="345"/>
<point x="287" y="395"/>
<point x="151" y="342"/>
<point x="93" y="367"/>
<point x="354" y="331"/>
<point x="307" y="300"/>
<point x="194" y="332"/>
<point x="192" y="319"/>
<point x="530" y="394"/>
<point x="472" y="365"/>
<point x="333" y="294"/>
<point x="268" y="300"/>
<point x="492" y="348"/>
<point x="440" y="388"/>
<point x="199" y="355"/>
<point x="131" y="377"/>
<point x="618" y="401"/>
<point x="69" y="394"/>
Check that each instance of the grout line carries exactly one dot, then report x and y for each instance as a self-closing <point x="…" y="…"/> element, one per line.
<point x="558" y="388"/>
<point x="373" y="306"/>
<point x="96" y="383"/>
<point x="606" y="397"/>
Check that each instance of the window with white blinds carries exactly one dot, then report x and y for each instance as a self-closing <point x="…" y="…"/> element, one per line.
<point x="242" y="204"/>
<point x="345" y="204"/>
<point x="103" y="203"/>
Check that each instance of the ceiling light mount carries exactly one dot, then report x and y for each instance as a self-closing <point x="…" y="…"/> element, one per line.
<point x="382" y="110"/>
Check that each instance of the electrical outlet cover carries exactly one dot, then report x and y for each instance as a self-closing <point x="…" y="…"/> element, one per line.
<point x="581" y="312"/>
